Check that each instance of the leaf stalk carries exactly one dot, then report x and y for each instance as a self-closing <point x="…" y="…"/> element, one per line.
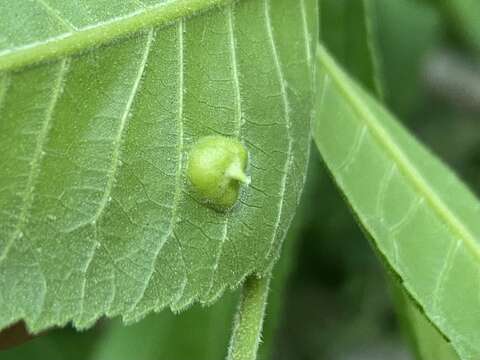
<point x="248" y="322"/>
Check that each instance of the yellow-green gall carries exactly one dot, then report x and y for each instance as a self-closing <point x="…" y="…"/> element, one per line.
<point x="216" y="169"/>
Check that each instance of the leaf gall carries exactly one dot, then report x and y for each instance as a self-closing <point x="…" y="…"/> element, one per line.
<point x="216" y="169"/>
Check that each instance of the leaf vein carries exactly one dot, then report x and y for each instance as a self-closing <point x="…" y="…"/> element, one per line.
<point x="284" y="96"/>
<point x="102" y="32"/>
<point x="354" y="150"/>
<point x="36" y="159"/>
<point x="447" y="265"/>
<point x="115" y="159"/>
<point x="383" y="190"/>
<point x="238" y="122"/>
<point x="404" y="164"/>
<point x="55" y="14"/>
<point x="121" y="130"/>
<point x="306" y="33"/>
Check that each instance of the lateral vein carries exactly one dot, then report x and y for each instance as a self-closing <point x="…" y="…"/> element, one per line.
<point x="37" y="158"/>
<point x="102" y="33"/>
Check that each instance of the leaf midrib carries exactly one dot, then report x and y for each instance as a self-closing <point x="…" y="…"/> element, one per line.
<point x="99" y="34"/>
<point x="408" y="169"/>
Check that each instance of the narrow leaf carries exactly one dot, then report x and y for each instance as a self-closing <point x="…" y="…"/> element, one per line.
<point x="426" y="342"/>
<point x="423" y="220"/>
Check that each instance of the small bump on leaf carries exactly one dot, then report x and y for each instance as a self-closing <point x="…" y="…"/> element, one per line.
<point x="216" y="169"/>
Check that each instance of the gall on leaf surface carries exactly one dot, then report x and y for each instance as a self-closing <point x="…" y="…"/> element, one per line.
<point x="100" y="104"/>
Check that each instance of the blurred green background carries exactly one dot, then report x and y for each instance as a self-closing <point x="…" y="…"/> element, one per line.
<point x="330" y="297"/>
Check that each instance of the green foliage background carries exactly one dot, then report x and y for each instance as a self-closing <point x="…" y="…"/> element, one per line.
<point x="330" y="297"/>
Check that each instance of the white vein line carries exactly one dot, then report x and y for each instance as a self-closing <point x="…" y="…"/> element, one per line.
<point x="413" y="208"/>
<point x="318" y="108"/>
<point x="354" y="150"/>
<point x="313" y="82"/>
<point x="447" y="266"/>
<point x="288" y="162"/>
<point x="382" y="192"/>
<point x="238" y="121"/>
<point x="34" y="44"/>
<point x="57" y="16"/>
<point x="235" y="71"/>
<point x="326" y="83"/>
<point x="306" y="32"/>
<point x="36" y="159"/>
<point x="140" y="4"/>
<point x="121" y="129"/>
<point x="396" y="257"/>
<point x="178" y="172"/>
<point x="168" y="6"/>
<point x="116" y="158"/>
<point x="54" y="39"/>
<point x="405" y="164"/>
<point x="84" y="281"/>
<point x="396" y="228"/>
<point x="178" y="180"/>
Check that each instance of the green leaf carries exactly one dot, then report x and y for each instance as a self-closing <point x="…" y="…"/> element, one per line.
<point x="163" y="336"/>
<point x="425" y="339"/>
<point x="423" y="220"/>
<point x="97" y="215"/>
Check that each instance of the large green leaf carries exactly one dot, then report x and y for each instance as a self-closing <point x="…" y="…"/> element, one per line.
<point x="422" y="219"/>
<point x="97" y="215"/>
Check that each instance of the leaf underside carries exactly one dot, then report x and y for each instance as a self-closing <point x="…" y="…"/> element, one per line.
<point x="422" y="219"/>
<point x="97" y="217"/>
<point x="426" y="341"/>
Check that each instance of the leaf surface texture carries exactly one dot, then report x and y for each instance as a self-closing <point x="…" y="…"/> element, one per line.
<point x="421" y="217"/>
<point x="97" y="217"/>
